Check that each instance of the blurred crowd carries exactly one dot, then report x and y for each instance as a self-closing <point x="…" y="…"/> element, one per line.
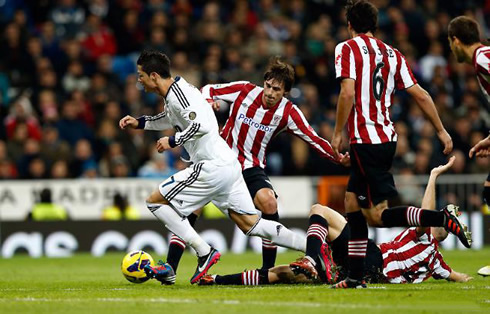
<point x="67" y="75"/>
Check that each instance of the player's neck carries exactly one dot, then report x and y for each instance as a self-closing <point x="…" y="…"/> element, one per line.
<point x="469" y="52"/>
<point x="368" y="34"/>
<point x="164" y="86"/>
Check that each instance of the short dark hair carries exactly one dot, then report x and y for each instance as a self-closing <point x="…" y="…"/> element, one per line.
<point x="465" y="29"/>
<point x="281" y="72"/>
<point x="362" y="16"/>
<point x="154" y="61"/>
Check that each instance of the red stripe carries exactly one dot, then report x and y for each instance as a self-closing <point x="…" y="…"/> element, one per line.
<point x="398" y="77"/>
<point x="226" y="90"/>
<point x="361" y="121"/>
<point x="373" y="109"/>
<point x="345" y="62"/>
<point x="230" y="123"/>
<point x="385" y="72"/>
<point x="242" y="135"/>
<point x="282" y="125"/>
<point x="259" y="136"/>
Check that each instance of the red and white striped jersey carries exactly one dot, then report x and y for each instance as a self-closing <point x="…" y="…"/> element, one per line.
<point x="251" y="126"/>
<point x="481" y="61"/>
<point x="377" y="69"/>
<point x="413" y="259"/>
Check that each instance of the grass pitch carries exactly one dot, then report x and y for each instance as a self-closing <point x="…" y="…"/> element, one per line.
<point x="84" y="284"/>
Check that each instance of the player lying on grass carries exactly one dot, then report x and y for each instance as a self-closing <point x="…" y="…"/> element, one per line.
<point x="411" y="257"/>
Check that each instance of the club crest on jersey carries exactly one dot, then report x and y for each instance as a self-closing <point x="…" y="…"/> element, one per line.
<point x="276" y="119"/>
<point x="192" y="115"/>
<point x="253" y="124"/>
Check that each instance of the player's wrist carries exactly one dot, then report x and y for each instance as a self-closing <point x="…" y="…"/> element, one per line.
<point x="171" y="141"/>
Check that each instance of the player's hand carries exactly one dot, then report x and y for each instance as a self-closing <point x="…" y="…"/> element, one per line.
<point x="344" y="159"/>
<point x="128" y="121"/>
<point x="336" y="144"/>
<point x="481" y="149"/>
<point x="443" y="168"/>
<point x="163" y="144"/>
<point x="446" y="140"/>
<point x="215" y="105"/>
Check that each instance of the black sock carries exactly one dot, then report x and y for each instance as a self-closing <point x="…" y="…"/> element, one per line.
<point x="235" y="279"/>
<point x="269" y="250"/>
<point x="316" y="235"/>
<point x="486" y="195"/>
<point x="247" y="278"/>
<point x="177" y="246"/>
<point x="410" y="216"/>
<point x="357" y="244"/>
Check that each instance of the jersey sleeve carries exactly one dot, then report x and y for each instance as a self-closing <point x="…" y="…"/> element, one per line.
<point x="344" y="62"/>
<point x="299" y="126"/>
<point x="227" y="92"/>
<point x="156" y="123"/>
<point x="403" y="77"/>
<point x="439" y="269"/>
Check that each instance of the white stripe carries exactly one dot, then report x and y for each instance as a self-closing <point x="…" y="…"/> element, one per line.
<point x="268" y="135"/>
<point x="406" y="264"/>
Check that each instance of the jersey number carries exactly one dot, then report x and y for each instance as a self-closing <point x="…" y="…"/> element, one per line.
<point x="378" y="83"/>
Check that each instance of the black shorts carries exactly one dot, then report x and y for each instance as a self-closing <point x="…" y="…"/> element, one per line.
<point x="488" y="177"/>
<point x="370" y="176"/>
<point x="256" y="179"/>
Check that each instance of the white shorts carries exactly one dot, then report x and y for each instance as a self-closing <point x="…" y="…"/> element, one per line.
<point x="205" y="182"/>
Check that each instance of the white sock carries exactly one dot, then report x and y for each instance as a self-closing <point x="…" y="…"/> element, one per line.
<point x="278" y="234"/>
<point x="180" y="227"/>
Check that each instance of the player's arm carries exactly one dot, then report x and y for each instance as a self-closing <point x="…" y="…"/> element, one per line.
<point x="157" y="122"/>
<point x="481" y="149"/>
<point x="225" y="92"/>
<point x="459" y="277"/>
<point x="424" y="101"/>
<point x="429" y="199"/>
<point x="345" y="71"/>
<point x="344" y="107"/>
<point x="299" y="126"/>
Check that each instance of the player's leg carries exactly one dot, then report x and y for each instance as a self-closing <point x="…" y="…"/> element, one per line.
<point x="265" y="200"/>
<point x="253" y="225"/>
<point x="177" y="246"/>
<point x="179" y="196"/>
<point x="247" y="278"/>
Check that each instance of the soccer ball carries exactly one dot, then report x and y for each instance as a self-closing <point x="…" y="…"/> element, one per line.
<point x="132" y="266"/>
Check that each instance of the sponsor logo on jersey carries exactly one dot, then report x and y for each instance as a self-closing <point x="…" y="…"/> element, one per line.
<point x="254" y="124"/>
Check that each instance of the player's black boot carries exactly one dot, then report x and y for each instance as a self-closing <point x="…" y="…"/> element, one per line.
<point x="455" y="226"/>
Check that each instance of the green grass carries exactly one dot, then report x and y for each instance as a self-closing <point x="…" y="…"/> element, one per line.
<point x="84" y="284"/>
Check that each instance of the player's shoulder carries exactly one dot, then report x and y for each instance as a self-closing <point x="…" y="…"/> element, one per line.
<point x="347" y="42"/>
<point x="482" y="55"/>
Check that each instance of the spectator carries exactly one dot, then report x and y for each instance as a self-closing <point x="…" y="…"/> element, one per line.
<point x="46" y="210"/>
<point x="120" y="210"/>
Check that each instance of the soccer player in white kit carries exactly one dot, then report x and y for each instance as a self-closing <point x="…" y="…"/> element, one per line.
<point x="214" y="176"/>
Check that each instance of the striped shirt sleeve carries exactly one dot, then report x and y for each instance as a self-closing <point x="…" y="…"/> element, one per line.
<point x="299" y="126"/>
<point x="344" y="62"/>
<point x="404" y="77"/>
<point x="439" y="269"/>
<point x="483" y="63"/>
<point x="227" y="92"/>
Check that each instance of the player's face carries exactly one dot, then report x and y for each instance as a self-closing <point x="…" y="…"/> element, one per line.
<point x="455" y="48"/>
<point x="273" y="92"/>
<point x="144" y="79"/>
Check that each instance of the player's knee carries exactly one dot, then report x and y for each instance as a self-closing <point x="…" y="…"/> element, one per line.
<point x="268" y="205"/>
<point x="318" y="209"/>
<point x="373" y="217"/>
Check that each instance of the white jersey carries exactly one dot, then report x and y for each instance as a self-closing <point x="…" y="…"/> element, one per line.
<point x="192" y="117"/>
